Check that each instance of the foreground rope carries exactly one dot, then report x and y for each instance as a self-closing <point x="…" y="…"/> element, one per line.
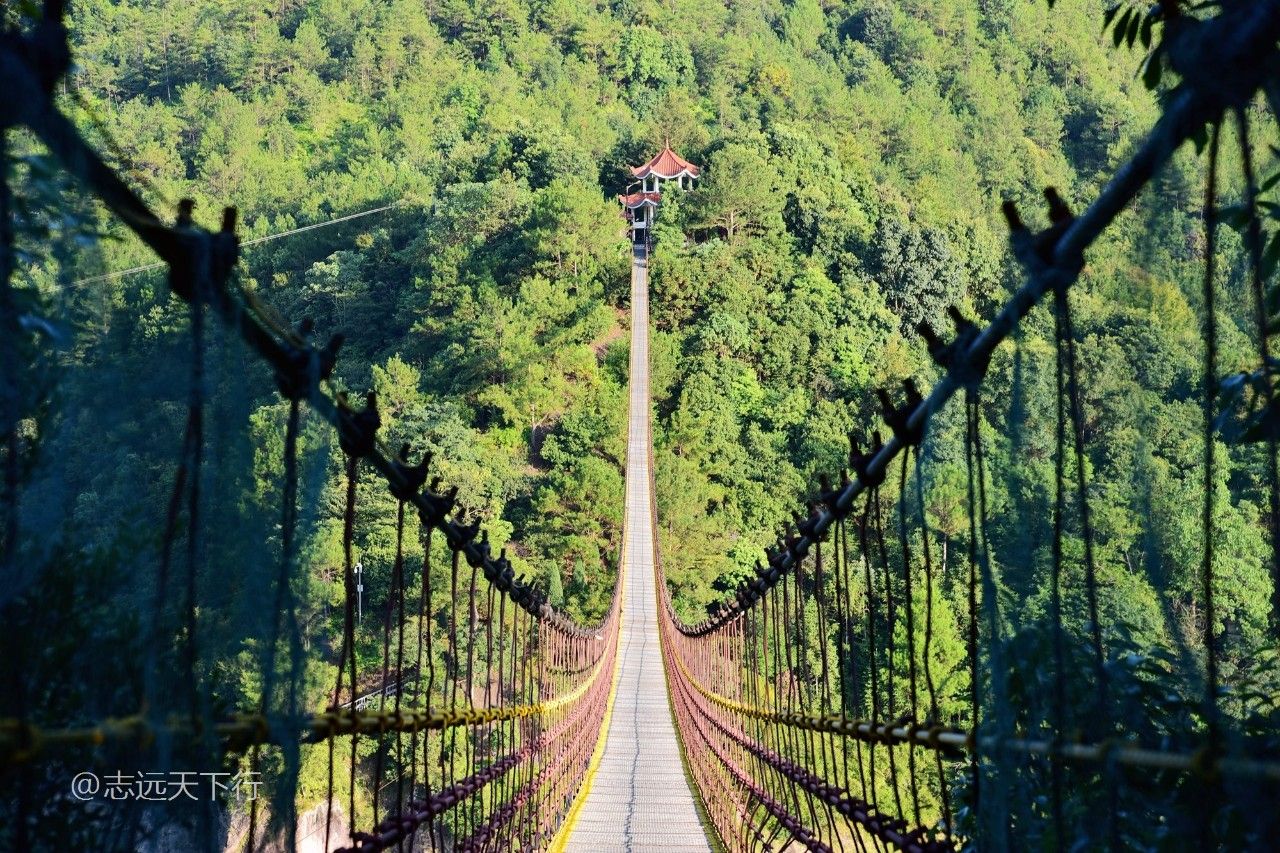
<point x="23" y="742"/>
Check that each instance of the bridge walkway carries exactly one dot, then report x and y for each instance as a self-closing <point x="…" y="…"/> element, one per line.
<point x="639" y="798"/>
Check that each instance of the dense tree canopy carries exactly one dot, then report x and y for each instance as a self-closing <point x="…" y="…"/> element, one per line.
<point x="855" y="155"/>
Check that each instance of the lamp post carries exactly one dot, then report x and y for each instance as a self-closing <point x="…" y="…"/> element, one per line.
<point x="359" y="570"/>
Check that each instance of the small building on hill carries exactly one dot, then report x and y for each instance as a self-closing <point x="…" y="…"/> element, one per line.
<point x="640" y="202"/>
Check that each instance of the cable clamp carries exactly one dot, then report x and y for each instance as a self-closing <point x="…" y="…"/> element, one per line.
<point x="305" y="367"/>
<point x="357" y="430"/>
<point x="967" y="370"/>
<point x="899" y="417"/>
<point x="411" y="477"/>
<point x="861" y="462"/>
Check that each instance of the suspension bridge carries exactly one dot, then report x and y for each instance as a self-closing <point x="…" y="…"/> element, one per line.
<point x="639" y="799"/>
<point x="801" y="713"/>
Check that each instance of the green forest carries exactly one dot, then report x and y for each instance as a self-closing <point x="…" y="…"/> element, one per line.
<point x="861" y="150"/>
<point x="855" y="157"/>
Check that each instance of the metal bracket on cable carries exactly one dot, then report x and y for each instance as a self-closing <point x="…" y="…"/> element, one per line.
<point x="358" y="430"/>
<point x="305" y="366"/>
<point x="1039" y="252"/>
<point x="966" y="369"/>
<point x="463" y="537"/>
<point x="899" y="417"/>
<point x="861" y="462"/>
<point x="203" y="261"/>
<point x="411" y="477"/>
<point x="828" y="496"/>
<point x="499" y="572"/>
<point x="438" y="504"/>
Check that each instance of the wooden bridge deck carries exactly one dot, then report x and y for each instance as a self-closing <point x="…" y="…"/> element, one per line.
<point x="639" y="798"/>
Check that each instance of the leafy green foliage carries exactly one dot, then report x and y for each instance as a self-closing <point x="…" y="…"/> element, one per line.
<point x="855" y="154"/>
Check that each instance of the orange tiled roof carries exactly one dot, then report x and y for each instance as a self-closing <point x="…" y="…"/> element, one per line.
<point x="665" y="164"/>
<point x="634" y="200"/>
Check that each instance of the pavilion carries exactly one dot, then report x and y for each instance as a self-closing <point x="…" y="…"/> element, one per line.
<point x="641" y="200"/>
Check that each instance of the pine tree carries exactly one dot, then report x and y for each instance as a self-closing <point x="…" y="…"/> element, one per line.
<point x="555" y="586"/>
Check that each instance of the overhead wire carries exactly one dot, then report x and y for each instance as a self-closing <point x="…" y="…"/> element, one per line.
<point x="254" y="241"/>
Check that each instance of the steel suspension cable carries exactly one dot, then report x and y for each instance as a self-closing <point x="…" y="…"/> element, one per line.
<point x="930" y="688"/>
<point x="282" y="602"/>
<point x="908" y="595"/>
